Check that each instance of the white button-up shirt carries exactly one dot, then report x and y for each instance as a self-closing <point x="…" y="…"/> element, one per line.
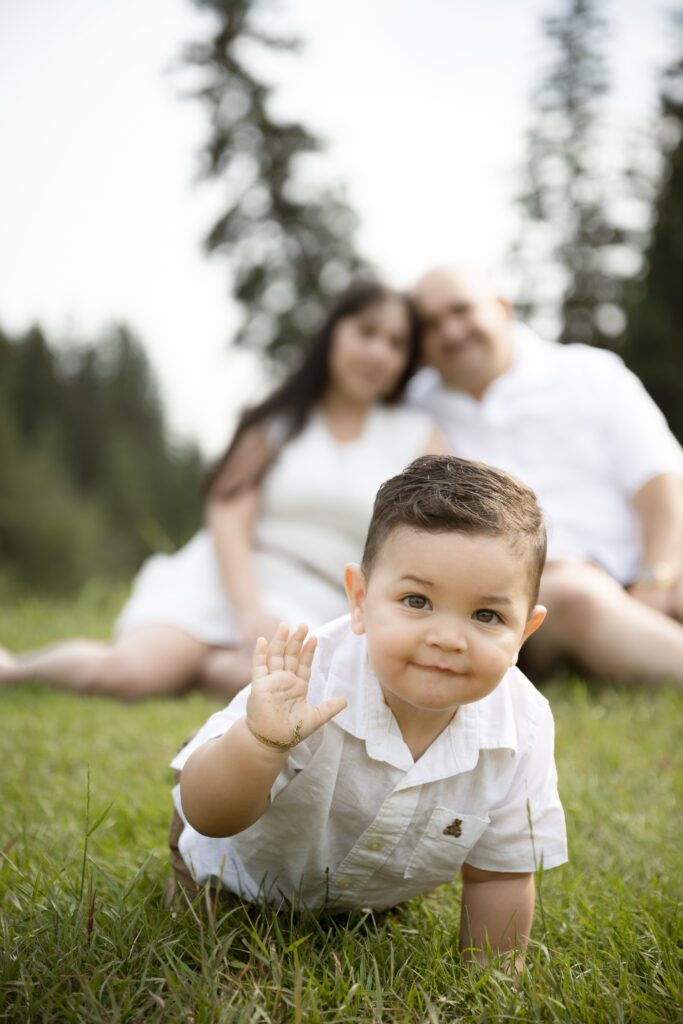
<point x="354" y="821"/>
<point x="577" y="426"/>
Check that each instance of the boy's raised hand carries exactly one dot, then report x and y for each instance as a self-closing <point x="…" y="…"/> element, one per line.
<point x="277" y="712"/>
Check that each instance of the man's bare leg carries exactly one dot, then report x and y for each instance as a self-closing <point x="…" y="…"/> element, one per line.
<point x="596" y="624"/>
<point x="149" y="661"/>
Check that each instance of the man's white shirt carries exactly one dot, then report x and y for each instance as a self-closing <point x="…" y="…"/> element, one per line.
<point x="354" y="821"/>
<point x="577" y="426"/>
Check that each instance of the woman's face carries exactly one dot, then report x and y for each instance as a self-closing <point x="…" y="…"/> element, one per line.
<point x="370" y="350"/>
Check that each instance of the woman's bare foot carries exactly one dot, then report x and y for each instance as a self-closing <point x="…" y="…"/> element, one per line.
<point x="8" y="664"/>
<point x="226" y="672"/>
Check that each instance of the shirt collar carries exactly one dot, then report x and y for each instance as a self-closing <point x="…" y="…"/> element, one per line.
<point x="530" y="355"/>
<point x="485" y="724"/>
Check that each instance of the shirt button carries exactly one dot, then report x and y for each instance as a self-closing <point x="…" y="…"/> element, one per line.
<point x="376" y="844"/>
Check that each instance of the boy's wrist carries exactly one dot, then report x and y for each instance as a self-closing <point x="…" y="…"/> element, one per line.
<point x="275" y="746"/>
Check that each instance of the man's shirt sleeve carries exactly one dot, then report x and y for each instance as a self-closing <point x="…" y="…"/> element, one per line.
<point x="640" y="443"/>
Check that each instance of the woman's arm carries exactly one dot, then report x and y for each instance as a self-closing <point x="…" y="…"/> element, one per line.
<point x="497" y="911"/>
<point x="231" y="523"/>
<point x="225" y="784"/>
<point x="232" y="507"/>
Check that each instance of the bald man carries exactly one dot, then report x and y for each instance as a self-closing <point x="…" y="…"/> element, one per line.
<point x="576" y="425"/>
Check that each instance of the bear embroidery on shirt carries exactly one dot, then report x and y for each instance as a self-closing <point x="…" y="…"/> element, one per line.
<point x="454" y="829"/>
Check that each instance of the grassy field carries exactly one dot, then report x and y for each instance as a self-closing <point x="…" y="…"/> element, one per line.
<point x="85" y="936"/>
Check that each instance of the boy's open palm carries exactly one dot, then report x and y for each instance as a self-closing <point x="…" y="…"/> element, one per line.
<point x="277" y="712"/>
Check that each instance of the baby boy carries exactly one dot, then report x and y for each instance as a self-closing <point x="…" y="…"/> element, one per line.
<point x="401" y="745"/>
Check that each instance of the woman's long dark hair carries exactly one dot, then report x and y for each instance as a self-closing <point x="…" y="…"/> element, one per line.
<point x="294" y="399"/>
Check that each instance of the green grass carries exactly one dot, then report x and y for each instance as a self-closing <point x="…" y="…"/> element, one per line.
<point x="85" y="936"/>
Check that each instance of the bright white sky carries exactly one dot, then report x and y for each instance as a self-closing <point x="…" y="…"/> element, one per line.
<point x="423" y="104"/>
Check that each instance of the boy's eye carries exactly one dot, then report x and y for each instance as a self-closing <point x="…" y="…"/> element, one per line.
<point x="415" y="601"/>
<point x="486" y="615"/>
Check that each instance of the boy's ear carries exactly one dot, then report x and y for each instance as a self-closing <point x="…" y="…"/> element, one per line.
<point x="355" y="583"/>
<point x="536" y="617"/>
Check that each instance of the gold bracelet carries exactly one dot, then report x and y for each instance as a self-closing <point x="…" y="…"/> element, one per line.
<point x="278" y="744"/>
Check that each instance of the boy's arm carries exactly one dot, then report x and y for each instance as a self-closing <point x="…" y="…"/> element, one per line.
<point x="225" y="784"/>
<point x="497" y="911"/>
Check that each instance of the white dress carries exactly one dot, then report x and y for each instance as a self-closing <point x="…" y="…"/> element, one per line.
<point x="316" y="503"/>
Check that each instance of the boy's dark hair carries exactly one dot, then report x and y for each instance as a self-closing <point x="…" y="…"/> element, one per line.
<point x="443" y="494"/>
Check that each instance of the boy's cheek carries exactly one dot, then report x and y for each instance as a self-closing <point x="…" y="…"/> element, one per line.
<point x="386" y="646"/>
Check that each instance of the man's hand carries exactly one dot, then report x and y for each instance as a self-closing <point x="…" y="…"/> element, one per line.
<point x="277" y="712"/>
<point x="667" y="600"/>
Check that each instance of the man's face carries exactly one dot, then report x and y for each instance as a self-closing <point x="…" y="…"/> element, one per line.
<point x="445" y="615"/>
<point x="466" y="330"/>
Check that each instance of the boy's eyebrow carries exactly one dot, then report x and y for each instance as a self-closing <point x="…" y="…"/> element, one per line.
<point x="484" y="598"/>
<point x="416" y="579"/>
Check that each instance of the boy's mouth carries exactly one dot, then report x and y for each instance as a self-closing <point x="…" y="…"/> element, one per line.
<point x="446" y="670"/>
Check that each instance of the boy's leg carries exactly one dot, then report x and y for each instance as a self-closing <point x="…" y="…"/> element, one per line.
<point x="182" y="878"/>
<point x="182" y="881"/>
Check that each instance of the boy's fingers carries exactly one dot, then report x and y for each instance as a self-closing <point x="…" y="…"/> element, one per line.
<point x="293" y="648"/>
<point x="327" y="709"/>
<point x="276" y="648"/>
<point x="306" y="657"/>
<point x="260" y="667"/>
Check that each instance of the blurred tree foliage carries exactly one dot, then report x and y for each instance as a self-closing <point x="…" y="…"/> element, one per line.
<point x="569" y="235"/>
<point x="290" y="242"/>
<point x="653" y="345"/>
<point x="90" y="483"/>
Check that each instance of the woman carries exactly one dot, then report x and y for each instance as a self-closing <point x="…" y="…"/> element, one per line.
<point x="287" y="507"/>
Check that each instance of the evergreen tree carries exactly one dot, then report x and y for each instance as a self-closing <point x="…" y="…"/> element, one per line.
<point x="90" y="482"/>
<point x="34" y="389"/>
<point x="83" y="422"/>
<point x="654" y="338"/>
<point x="290" y="245"/>
<point x="151" y="488"/>
<point x="564" y="254"/>
<point x="131" y="394"/>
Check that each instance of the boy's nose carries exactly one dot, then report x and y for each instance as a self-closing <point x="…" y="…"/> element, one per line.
<point x="447" y="636"/>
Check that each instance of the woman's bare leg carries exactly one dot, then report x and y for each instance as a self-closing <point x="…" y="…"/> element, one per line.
<point x="148" y="661"/>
